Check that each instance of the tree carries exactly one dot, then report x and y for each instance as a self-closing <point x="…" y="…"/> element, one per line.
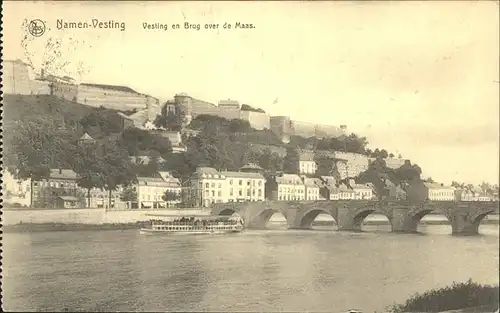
<point x="383" y="154"/>
<point x="291" y="161"/>
<point x="246" y="107"/>
<point x="87" y="163"/>
<point x="326" y="165"/>
<point x="391" y="155"/>
<point x="35" y="147"/>
<point x="170" y="195"/>
<point x="128" y="194"/>
<point x="171" y="120"/>
<point x="117" y="169"/>
<point x="429" y="180"/>
<point x="101" y="121"/>
<point x="136" y="140"/>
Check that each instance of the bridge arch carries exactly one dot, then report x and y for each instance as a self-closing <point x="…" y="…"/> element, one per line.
<point x="262" y="217"/>
<point x="308" y="217"/>
<point x="477" y="218"/>
<point x="359" y="215"/>
<point x="416" y="214"/>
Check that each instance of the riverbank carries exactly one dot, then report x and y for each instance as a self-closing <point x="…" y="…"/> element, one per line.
<point x="465" y="297"/>
<point x="43" y="227"/>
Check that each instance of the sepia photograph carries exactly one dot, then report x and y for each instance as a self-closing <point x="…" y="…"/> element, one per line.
<point x="250" y="156"/>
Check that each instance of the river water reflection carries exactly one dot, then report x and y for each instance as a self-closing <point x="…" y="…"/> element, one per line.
<point x="269" y="270"/>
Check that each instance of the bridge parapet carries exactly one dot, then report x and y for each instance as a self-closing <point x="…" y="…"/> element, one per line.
<point x="403" y="215"/>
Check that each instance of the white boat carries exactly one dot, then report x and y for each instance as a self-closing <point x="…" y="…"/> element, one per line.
<point x="192" y="225"/>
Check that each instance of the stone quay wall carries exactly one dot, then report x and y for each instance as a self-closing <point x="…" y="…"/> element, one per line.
<point x="88" y="216"/>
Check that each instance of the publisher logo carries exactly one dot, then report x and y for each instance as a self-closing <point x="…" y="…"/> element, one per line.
<point x="36" y="28"/>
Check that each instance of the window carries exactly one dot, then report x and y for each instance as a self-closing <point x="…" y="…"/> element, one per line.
<point x="248" y="192"/>
<point x="207" y="185"/>
<point x="231" y="192"/>
<point x="248" y="183"/>
<point x="260" y="192"/>
<point x="213" y="193"/>
<point x="219" y="186"/>
<point x="207" y="193"/>
<point x="241" y="182"/>
<point x="219" y="193"/>
<point x="241" y="192"/>
<point x="230" y="182"/>
<point x="253" y="192"/>
<point x="213" y="185"/>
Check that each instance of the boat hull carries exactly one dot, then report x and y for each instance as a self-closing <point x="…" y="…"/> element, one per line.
<point x="148" y="231"/>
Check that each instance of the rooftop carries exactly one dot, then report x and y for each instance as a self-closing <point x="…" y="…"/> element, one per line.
<point x="241" y="175"/>
<point x="306" y="155"/>
<point x="69" y="198"/>
<point x="63" y="174"/>
<point x="86" y="137"/>
<point x="110" y="87"/>
<point x="437" y="186"/>
<point x="251" y="166"/>
<point x="289" y="179"/>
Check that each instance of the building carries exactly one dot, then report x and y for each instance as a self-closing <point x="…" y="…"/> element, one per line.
<point x="229" y="104"/>
<point x="284" y="128"/>
<point x="112" y="97"/>
<point x="145" y="159"/>
<point x="286" y="187"/>
<point x="210" y="186"/>
<point x="422" y="191"/>
<point x="474" y="194"/>
<point x="244" y="186"/>
<point x="341" y="192"/>
<point x="306" y="163"/>
<point x="100" y="198"/>
<point x="61" y="182"/>
<point x="68" y="202"/>
<point x="86" y="139"/>
<point x="16" y="77"/>
<point x="20" y="78"/>
<point x="391" y="191"/>
<point x="350" y="165"/>
<point x="312" y="187"/>
<point x="363" y="191"/>
<point x="161" y="191"/>
<point x="394" y="163"/>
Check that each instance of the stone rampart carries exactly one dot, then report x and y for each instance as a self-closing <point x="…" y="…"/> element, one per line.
<point x="86" y="216"/>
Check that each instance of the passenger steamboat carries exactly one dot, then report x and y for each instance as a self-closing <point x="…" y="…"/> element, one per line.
<point x="165" y="224"/>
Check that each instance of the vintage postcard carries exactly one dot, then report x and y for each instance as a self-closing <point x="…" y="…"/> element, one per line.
<point x="330" y="156"/>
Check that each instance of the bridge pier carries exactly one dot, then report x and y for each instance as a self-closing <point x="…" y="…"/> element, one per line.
<point x="463" y="223"/>
<point x="402" y="222"/>
<point x="346" y="221"/>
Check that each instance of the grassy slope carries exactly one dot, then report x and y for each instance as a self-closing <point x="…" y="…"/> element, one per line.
<point x="17" y="107"/>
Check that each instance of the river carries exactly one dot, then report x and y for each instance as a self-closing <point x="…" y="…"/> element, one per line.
<point x="270" y="270"/>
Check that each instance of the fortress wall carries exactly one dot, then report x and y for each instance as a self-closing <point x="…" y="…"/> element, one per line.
<point x="394" y="163"/>
<point x="257" y="120"/>
<point x="110" y="99"/>
<point x="16" y="78"/>
<point x="65" y="91"/>
<point x="328" y="131"/>
<point x="303" y="129"/>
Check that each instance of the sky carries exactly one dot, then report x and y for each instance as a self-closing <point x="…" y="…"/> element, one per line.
<point x="416" y="78"/>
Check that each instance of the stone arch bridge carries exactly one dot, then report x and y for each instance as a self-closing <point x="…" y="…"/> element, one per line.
<point x="404" y="216"/>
